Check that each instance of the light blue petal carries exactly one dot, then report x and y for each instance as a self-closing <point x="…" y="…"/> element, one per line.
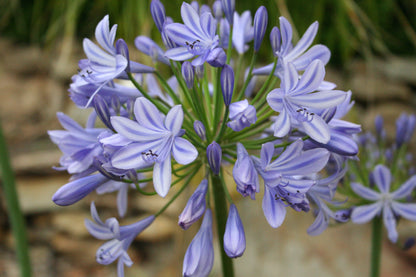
<point x="365" y="192"/>
<point x="282" y="125"/>
<point x="319" y="52"/>
<point x="311" y="78"/>
<point x="274" y="210"/>
<point x="267" y="151"/>
<point x="183" y="151"/>
<point x="209" y="25"/>
<point x="69" y="124"/>
<point x="319" y="225"/>
<point x="290" y="78"/>
<point x="405" y="189"/>
<point x="406" y="210"/>
<point x="148" y="115"/>
<point x="130" y="156"/>
<point x="131" y="130"/>
<point x="162" y="177"/>
<point x="364" y="214"/>
<point x="304" y="42"/>
<point x="174" y="119"/>
<point x="291" y="152"/>
<point x="265" y="70"/>
<point x="275" y="99"/>
<point x="105" y="37"/>
<point x="389" y="221"/>
<point x="179" y="54"/>
<point x="382" y="178"/>
<point x="320" y="99"/>
<point x="181" y="34"/>
<point x="286" y="33"/>
<point x="96" y="55"/>
<point x="191" y="19"/>
<point x="317" y="129"/>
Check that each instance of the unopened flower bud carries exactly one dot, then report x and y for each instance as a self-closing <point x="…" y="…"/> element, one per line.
<point x="188" y="74"/>
<point x="200" y="129"/>
<point x="260" y="25"/>
<point x="217" y="9"/>
<point x="102" y="110"/>
<point x="195" y="207"/>
<point x="227" y="84"/>
<point x="234" y="236"/>
<point x="204" y="9"/>
<point x="228" y="7"/>
<point x="214" y="155"/>
<point x="158" y="13"/>
<point x="199" y="71"/>
<point x="241" y="115"/>
<point x="275" y="40"/>
<point x="199" y="256"/>
<point x="405" y="126"/>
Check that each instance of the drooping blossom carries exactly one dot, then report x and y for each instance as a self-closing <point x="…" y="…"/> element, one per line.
<point x="119" y="238"/>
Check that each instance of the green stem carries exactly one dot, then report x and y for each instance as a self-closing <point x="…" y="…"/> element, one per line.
<point x="16" y="218"/>
<point x="221" y="212"/>
<point x="376" y="247"/>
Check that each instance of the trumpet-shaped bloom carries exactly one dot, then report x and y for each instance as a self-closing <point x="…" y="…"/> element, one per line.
<point x="196" y="37"/>
<point x="234" y="236"/>
<point x="384" y="201"/>
<point x="298" y="55"/>
<point x="78" y="145"/>
<point x="119" y="238"/>
<point x="282" y="187"/>
<point x="154" y="139"/>
<point x="295" y="102"/>
<point x="199" y="256"/>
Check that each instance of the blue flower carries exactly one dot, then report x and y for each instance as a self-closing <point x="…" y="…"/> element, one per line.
<point x="295" y="102"/>
<point x="385" y="202"/>
<point x="154" y="140"/>
<point x="286" y="52"/>
<point x="120" y="238"/>
<point x="197" y="37"/>
<point x="195" y="207"/>
<point x="405" y="126"/>
<point x="234" y="236"/>
<point x="243" y="32"/>
<point x="199" y="256"/>
<point x="282" y="187"/>
<point x="103" y="65"/>
<point x="78" y="145"/>
<point x="245" y="174"/>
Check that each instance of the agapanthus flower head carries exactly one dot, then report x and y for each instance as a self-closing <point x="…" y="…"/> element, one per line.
<point x="387" y="204"/>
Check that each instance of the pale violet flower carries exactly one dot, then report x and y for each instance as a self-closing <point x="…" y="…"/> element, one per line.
<point x="385" y="203"/>
<point x="155" y="139"/>
<point x="196" y="37"/>
<point x="295" y="102"/>
<point x="119" y="238"/>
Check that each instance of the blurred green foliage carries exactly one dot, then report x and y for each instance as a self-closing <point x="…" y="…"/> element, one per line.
<point x="347" y="27"/>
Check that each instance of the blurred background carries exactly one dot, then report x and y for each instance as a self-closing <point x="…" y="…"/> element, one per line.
<point x="373" y="46"/>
